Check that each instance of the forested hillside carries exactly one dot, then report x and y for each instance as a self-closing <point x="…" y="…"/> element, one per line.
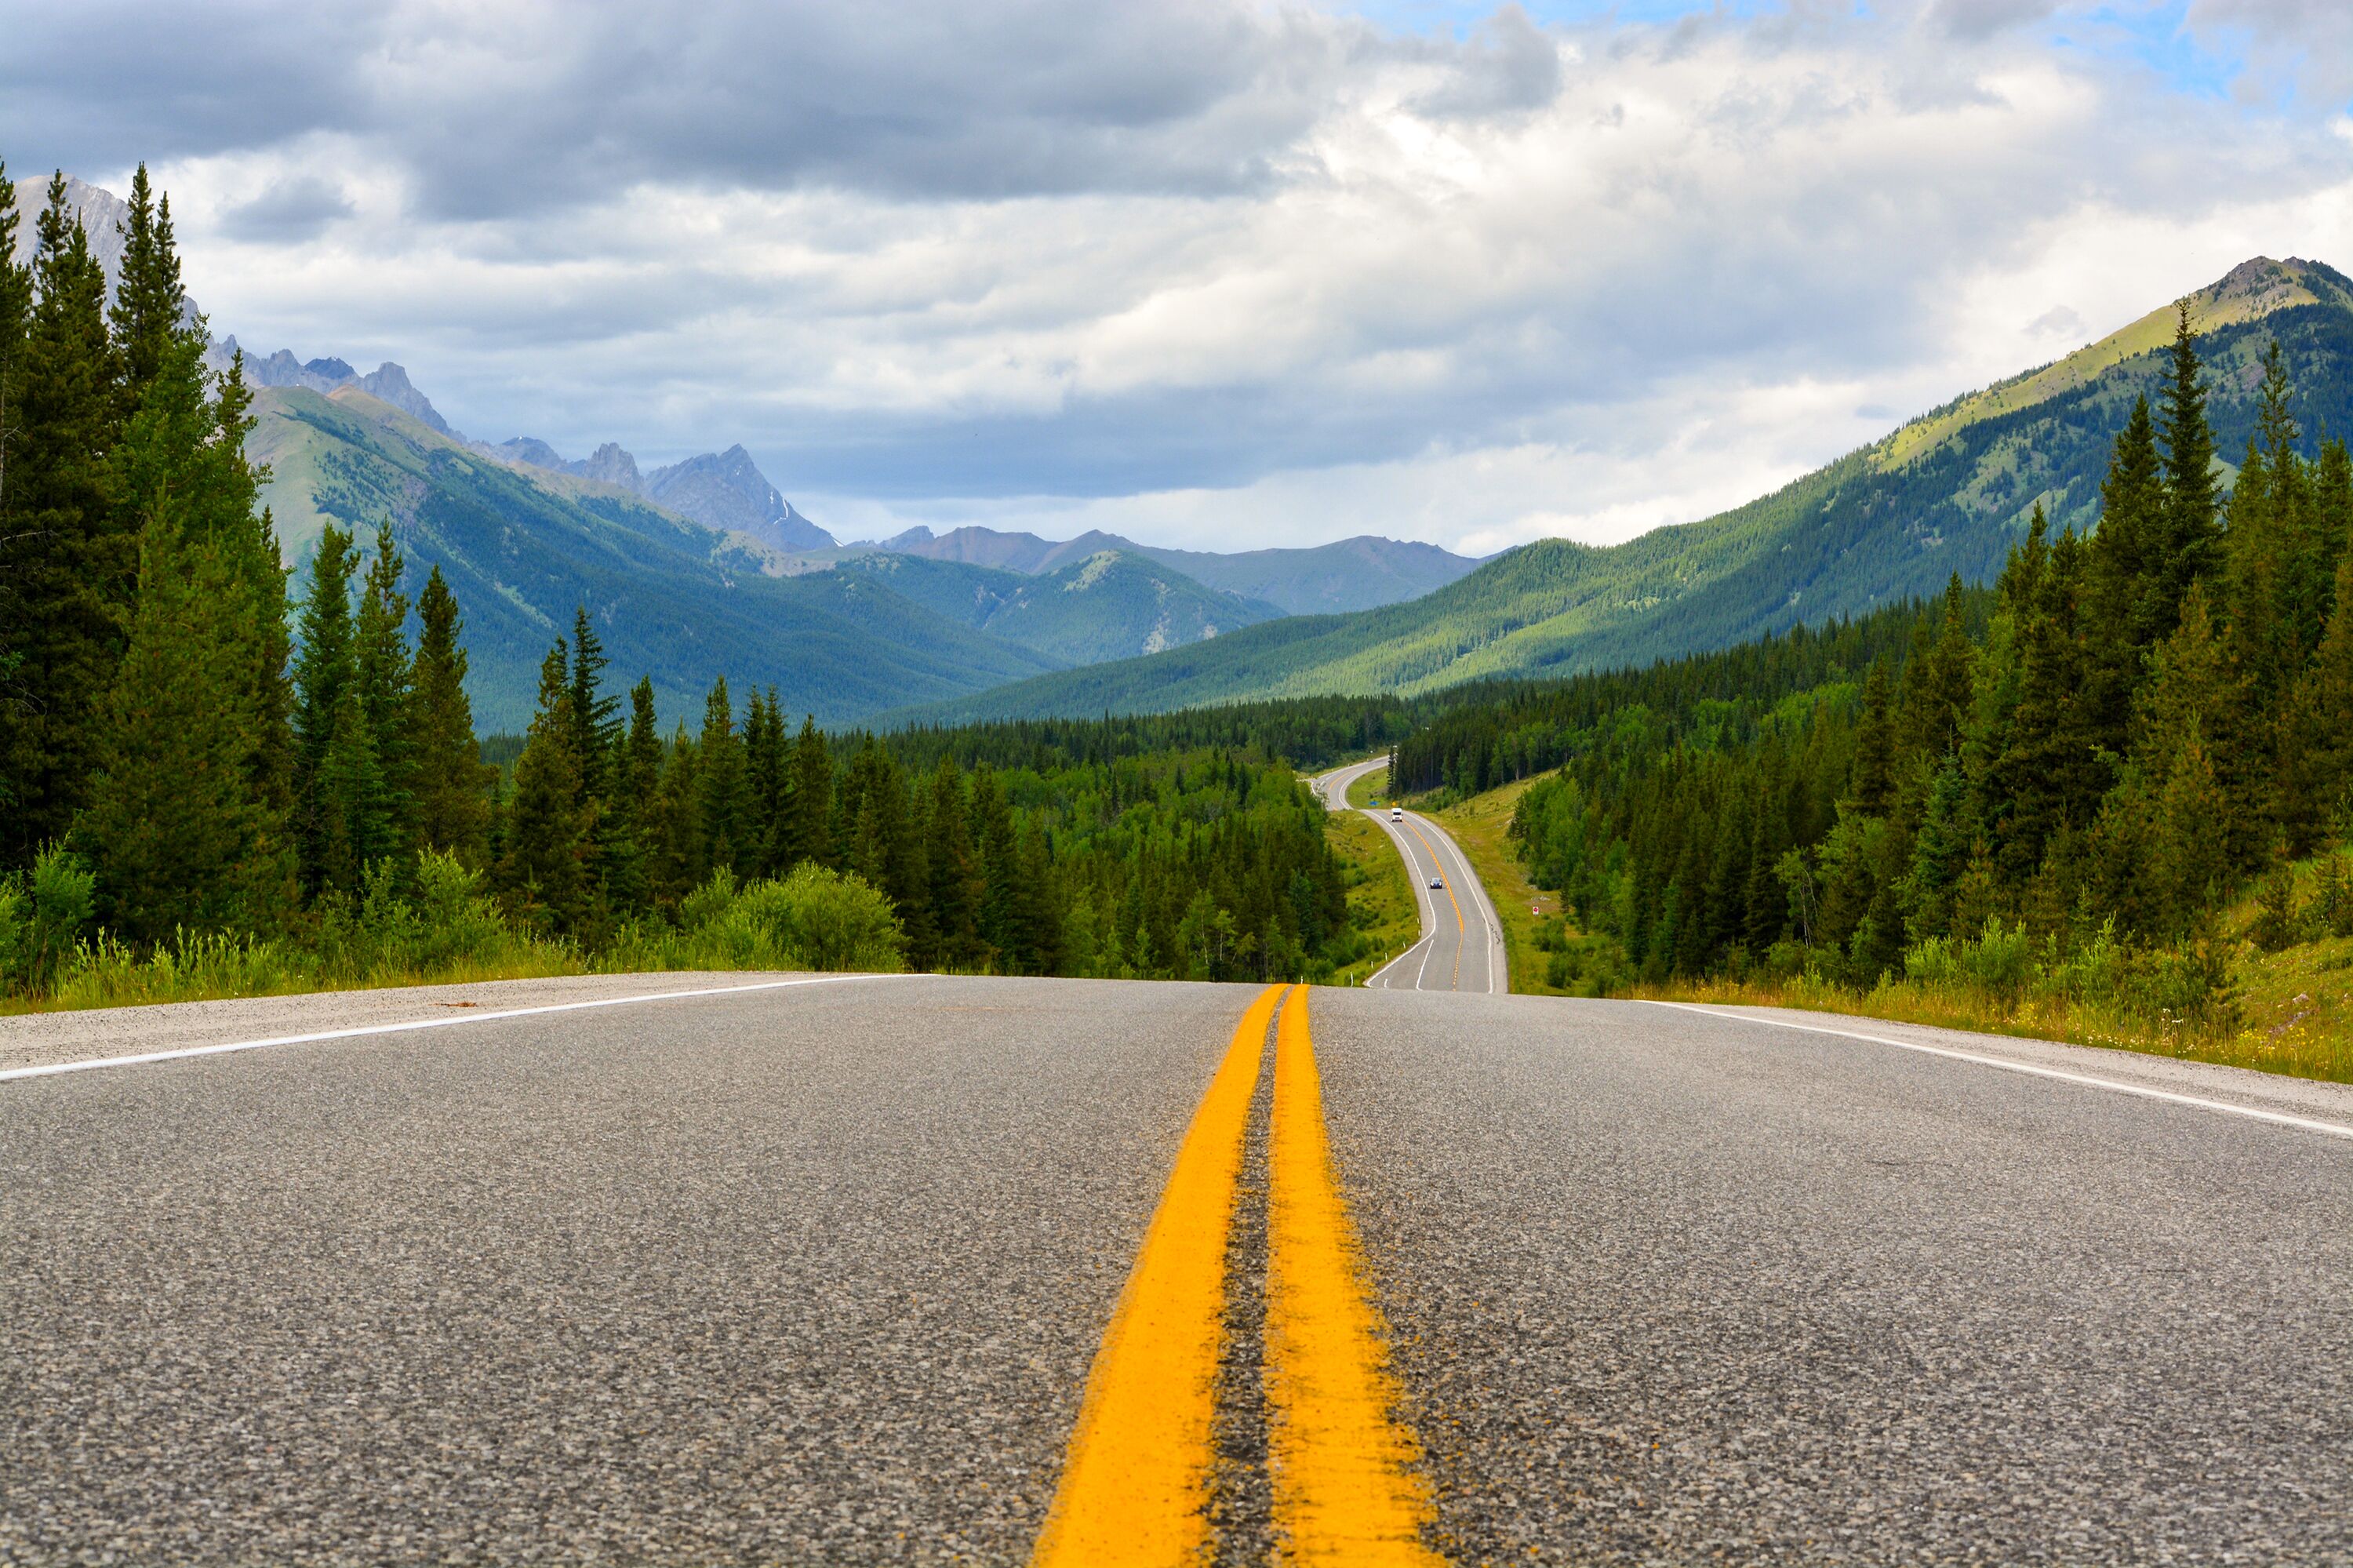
<point x="2059" y="782"/>
<point x="677" y="600"/>
<point x="1950" y="492"/>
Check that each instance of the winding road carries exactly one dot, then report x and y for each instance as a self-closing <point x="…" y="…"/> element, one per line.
<point x="1462" y="945"/>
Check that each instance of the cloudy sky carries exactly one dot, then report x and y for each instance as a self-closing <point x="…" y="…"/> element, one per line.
<point x="1208" y="272"/>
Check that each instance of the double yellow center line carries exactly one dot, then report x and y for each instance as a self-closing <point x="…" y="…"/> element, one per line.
<point x="1135" y="1483"/>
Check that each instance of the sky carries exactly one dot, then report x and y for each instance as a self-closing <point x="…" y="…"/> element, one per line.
<point x="1212" y="274"/>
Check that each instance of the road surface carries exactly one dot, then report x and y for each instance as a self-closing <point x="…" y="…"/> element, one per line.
<point x="834" y="1273"/>
<point x="1462" y="946"/>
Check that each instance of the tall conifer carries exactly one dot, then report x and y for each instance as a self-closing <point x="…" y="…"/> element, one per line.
<point x="70" y="558"/>
<point x="451" y="782"/>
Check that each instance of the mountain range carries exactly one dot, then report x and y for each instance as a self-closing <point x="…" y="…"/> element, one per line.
<point x="1949" y="491"/>
<point x="703" y="567"/>
<point x="1347" y="574"/>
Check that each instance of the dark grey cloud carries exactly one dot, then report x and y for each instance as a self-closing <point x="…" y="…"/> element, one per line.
<point x="288" y="212"/>
<point x="499" y="111"/>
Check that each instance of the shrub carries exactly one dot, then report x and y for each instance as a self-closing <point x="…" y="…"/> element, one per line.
<point x="813" y="920"/>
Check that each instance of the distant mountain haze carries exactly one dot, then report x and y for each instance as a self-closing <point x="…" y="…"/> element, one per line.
<point x="1949" y="491"/>
<point x="1113" y="604"/>
<point x="1348" y="574"/>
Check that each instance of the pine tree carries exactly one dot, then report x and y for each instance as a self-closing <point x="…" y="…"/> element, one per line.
<point x="683" y="860"/>
<point x="811" y="814"/>
<point x="723" y="786"/>
<point x="384" y="673"/>
<point x="954" y="896"/>
<point x="2190" y="549"/>
<point x="182" y="828"/>
<point x="2316" y="748"/>
<point x="451" y="781"/>
<point x="635" y="849"/>
<point x="594" y="713"/>
<point x="1940" y="682"/>
<point x="67" y="555"/>
<point x="541" y="870"/>
<point x="767" y="768"/>
<point x="1874" y="750"/>
<point x="149" y="302"/>
<point x="325" y="672"/>
<point x="999" y="916"/>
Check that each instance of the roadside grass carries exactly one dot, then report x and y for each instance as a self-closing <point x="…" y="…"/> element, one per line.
<point x="2300" y="1034"/>
<point x="1368" y="788"/>
<point x="1380" y="898"/>
<point x="1479" y="824"/>
<point x="443" y="930"/>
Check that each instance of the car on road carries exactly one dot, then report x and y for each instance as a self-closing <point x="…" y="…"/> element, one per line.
<point x="1396" y="813"/>
<point x="1438" y="882"/>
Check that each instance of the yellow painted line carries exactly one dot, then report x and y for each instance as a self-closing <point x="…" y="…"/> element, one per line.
<point x="1135" y="1481"/>
<point x="1460" y="930"/>
<point x="1347" y="1490"/>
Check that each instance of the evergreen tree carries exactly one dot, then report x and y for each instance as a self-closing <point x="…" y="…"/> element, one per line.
<point x="149" y="302"/>
<point x="344" y="810"/>
<point x="451" y="781"/>
<point x="683" y="858"/>
<point x="69" y="558"/>
<point x="811" y="812"/>
<point x="2316" y="748"/>
<point x="2190" y="548"/>
<point x="594" y="713"/>
<point x="1940" y="682"/>
<point x="636" y="847"/>
<point x="768" y="767"/>
<point x="541" y="870"/>
<point x="1874" y="750"/>
<point x="724" y="786"/>
<point x="182" y="828"/>
<point x="953" y="894"/>
<point x="384" y="673"/>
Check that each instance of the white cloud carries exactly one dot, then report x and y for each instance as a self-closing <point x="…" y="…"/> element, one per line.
<point x="1209" y="273"/>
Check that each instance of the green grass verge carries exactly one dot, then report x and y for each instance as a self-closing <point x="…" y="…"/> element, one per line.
<point x="1368" y="788"/>
<point x="1479" y="824"/>
<point x="1380" y="898"/>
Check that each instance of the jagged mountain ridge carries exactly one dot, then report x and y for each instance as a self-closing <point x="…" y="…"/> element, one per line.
<point x="673" y="599"/>
<point x="1949" y="491"/>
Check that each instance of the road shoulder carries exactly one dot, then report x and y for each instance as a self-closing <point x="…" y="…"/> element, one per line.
<point x="46" y="1039"/>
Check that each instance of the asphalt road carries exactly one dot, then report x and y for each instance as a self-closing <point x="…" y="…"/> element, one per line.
<point x="1462" y="946"/>
<point x="819" y="1274"/>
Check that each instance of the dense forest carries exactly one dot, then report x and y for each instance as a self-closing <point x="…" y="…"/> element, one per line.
<point x="196" y="769"/>
<point x="2084" y="762"/>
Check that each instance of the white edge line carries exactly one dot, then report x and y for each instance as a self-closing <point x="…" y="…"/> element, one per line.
<point x="53" y="1068"/>
<point x="2277" y="1119"/>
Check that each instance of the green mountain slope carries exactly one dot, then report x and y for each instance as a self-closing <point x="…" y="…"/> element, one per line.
<point x="671" y="599"/>
<point x="1947" y="493"/>
<point x="1113" y="604"/>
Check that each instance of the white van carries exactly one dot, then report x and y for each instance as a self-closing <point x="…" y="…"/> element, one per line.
<point x="1396" y="813"/>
